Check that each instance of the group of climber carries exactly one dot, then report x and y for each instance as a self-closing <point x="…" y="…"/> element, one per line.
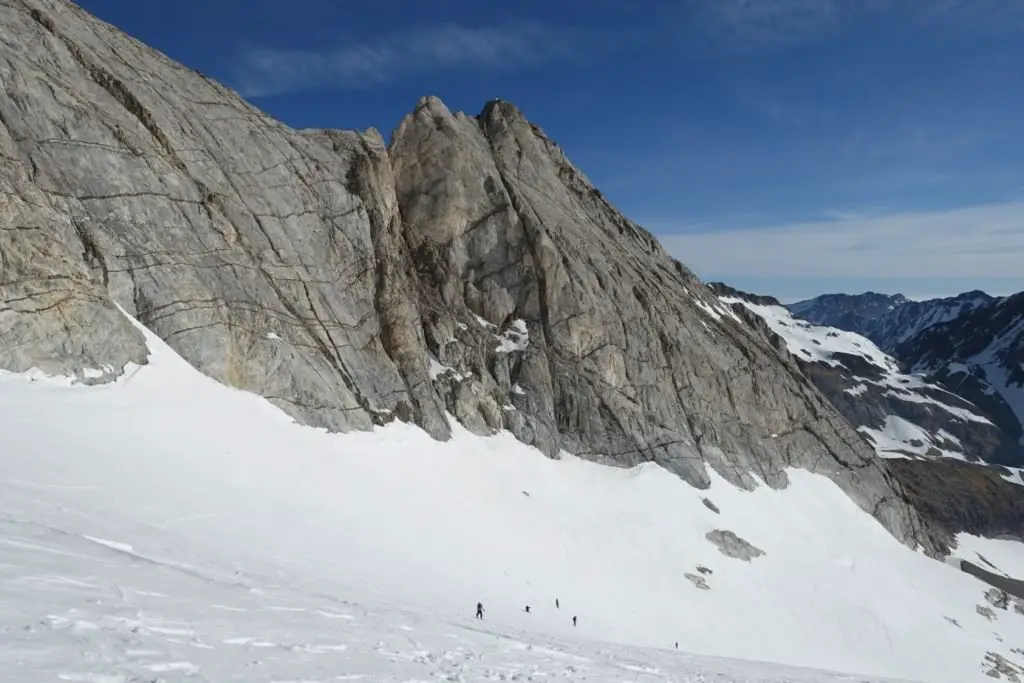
<point x="480" y="614"/>
<point x="480" y="610"/>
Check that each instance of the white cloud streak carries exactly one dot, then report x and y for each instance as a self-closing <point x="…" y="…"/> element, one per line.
<point x="984" y="241"/>
<point x="447" y="46"/>
<point x="767" y="24"/>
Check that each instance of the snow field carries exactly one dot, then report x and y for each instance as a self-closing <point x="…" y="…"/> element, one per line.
<point x="179" y="480"/>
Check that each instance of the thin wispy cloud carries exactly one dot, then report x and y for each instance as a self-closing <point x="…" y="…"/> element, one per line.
<point x="447" y="46"/>
<point x="985" y="241"/>
<point x="746" y="25"/>
<point x="767" y="23"/>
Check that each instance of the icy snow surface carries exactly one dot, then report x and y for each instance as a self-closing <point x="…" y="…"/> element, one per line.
<point x="898" y="437"/>
<point x="167" y="528"/>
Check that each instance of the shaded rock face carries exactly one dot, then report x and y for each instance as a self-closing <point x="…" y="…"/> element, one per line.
<point x="959" y="496"/>
<point x="469" y="268"/>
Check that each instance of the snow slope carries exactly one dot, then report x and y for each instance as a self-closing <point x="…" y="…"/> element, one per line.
<point x="166" y="527"/>
<point x="866" y="367"/>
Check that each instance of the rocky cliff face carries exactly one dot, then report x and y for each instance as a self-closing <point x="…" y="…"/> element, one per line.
<point x="467" y="268"/>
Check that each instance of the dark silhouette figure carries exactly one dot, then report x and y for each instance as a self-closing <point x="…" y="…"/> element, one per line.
<point x="574" y="621"/>
<point x="677" y="644"/>
<point x="527" y="609"/>
<point x="557" y="606"/>
<point x="479" y="610"/>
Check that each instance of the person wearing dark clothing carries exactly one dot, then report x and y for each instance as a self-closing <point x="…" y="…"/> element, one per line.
<point x="479" y="610"/>
<point x="677" y="644"/>
<point x="574" y="621"/>
<point x="557" y="606"/>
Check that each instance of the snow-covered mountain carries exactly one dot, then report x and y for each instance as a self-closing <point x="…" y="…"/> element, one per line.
<point x="175" y="529"/>
<point x="847" y="311"/>
<point x="971" y="344"/>
<point x="886" y="319"/>
<point x="903" y="415"/>
<point x="979" y="355"/>
<point x="436" y="348"/>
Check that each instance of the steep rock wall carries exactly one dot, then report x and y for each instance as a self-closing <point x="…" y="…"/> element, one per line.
<point x="470" y="267"/>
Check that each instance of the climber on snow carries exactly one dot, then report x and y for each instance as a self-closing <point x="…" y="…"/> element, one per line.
<point x="479" y="610"/>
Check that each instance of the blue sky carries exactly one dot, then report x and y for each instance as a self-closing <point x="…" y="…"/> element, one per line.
<point x="789" y="147"/>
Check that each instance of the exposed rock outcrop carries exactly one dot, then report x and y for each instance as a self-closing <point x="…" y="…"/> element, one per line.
<point x="468" y="268"/>
<point x="698" y="581"/>
<point x="959" y="496"/>
<point x="731" y="545"/>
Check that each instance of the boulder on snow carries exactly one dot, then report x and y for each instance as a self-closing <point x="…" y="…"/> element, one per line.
<point x="731" y="545"/>
<point x="986" y="612"/>
<point x="997" y="598"/>
<point x="1001" y="668"/>
<point x="698" y="581"/>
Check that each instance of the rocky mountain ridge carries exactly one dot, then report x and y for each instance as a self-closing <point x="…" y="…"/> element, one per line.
<point x="352" y="283"/>
<point x="886" y="319"/>
<point x="980" y="355"/>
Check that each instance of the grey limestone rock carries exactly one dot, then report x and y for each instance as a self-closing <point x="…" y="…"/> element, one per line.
<point x="698" y="581"/>
<point x="631" y="358"/>
<point x="731" y="545"/>
<point x="467" y="268"/>
<point x="1001" y="668"/>
<point x="240" y="242"/>
<point x="997" y="598"/>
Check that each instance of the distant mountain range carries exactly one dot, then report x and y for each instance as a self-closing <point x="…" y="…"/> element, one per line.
<point x="971" y="344"/>
<point x="886" y="319"/>
<point x="902" y="412"/>
<point x="936" y="389"/>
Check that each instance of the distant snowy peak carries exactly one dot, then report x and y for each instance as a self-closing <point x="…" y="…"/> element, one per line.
<point x="885" y="319"/>
<point x="979" y="354"/>
<point x="902" y="415"/>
